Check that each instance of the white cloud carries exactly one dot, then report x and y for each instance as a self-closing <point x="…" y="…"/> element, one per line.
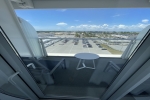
<point x="106" y="27"/>
<point x="117" y="15"/>
<point x="72" y="26"/>
<point x="89" y="21"/>
<point x="122" y="26"/>
<point x="62" y="10"/>
<point x="142" y="25"/>
<point x="145" y="20"/>
<point x="76" y="20"/>
<point x="61" y="24"/>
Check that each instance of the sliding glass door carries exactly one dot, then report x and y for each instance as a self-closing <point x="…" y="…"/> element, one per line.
<point x="54" y="70"/>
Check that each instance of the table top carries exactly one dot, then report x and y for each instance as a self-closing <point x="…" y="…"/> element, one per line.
<point x="87" y="56"/>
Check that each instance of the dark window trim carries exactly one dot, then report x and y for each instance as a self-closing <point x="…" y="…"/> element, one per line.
<point x="133" y="53"/>
<point x="10" y="43"/>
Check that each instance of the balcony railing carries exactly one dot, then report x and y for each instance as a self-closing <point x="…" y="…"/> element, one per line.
<point x="103" y="47"/>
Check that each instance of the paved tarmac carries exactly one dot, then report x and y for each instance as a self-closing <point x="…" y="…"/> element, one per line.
<point x="70" y="48"/>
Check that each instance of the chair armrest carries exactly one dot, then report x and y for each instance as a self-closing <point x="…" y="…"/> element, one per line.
<point x="59" y="63"/>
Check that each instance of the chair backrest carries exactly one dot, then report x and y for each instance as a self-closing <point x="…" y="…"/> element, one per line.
<point x="109" y="73"/>
<point x="111" y="65"/>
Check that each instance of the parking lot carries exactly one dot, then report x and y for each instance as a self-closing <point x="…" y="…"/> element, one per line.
<point x="70" y="48"/>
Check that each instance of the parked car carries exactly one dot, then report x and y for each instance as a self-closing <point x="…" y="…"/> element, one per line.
<point x="95" y="41"/>
<point x="97" y="44"/>
<point x="89" y="45"/>
<point x="85" y="46"/>
<point x="87" y="42"/>
<point x="75" y="43"/>
<point x="104" y="49"/>
<point x="100" y="46"/>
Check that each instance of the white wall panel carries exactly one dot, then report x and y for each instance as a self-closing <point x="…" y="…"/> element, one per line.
<point x="32" y="37"/>
<point x="10" y="24"/>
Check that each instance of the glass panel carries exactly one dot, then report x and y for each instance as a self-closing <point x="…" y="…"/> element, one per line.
<point x="6" y="86"/>
<point x="86" y="48"/>
<point x="109" y="28"/>
<point x="142" y="92"/>
<point x="102" y="47"/>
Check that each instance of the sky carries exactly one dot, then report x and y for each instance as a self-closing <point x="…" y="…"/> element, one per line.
<point x="90" y="19"/>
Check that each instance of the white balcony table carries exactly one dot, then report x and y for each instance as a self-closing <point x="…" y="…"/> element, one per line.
<point x="86" y="56"/>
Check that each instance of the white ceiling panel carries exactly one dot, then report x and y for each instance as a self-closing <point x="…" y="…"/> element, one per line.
<point x="43" y="4"/>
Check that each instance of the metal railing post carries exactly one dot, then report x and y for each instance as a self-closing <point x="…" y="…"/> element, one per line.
<point x="128" y="49"/>
<point x="43" y="48"/>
